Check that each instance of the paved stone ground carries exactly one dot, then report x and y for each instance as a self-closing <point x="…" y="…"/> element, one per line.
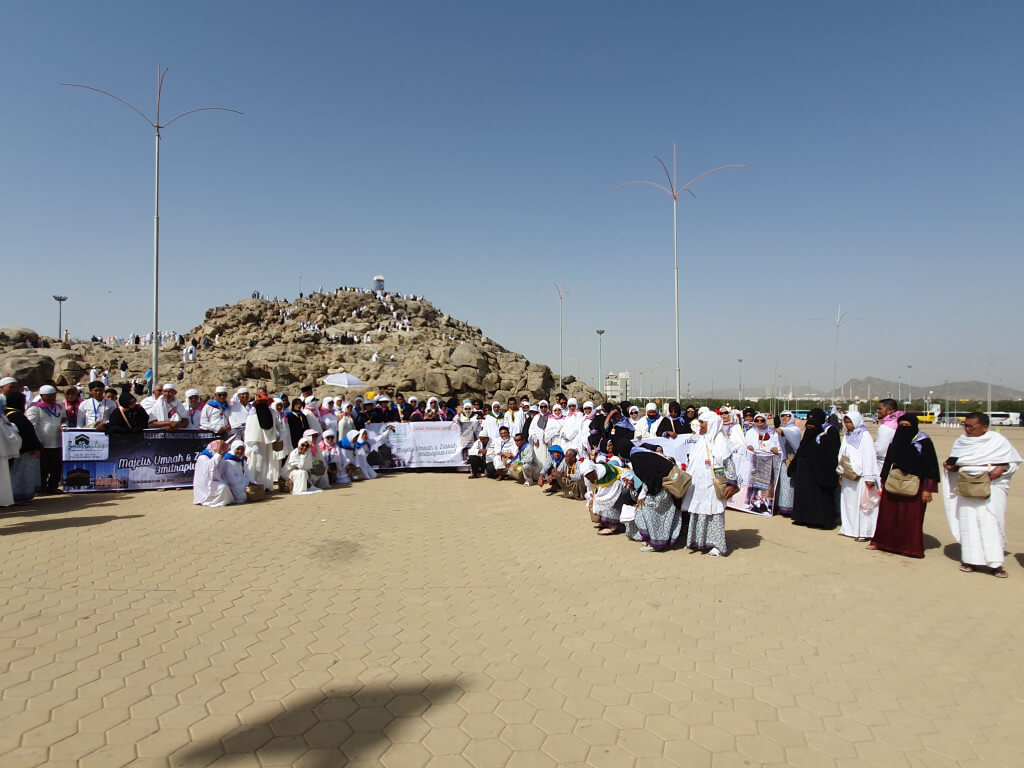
<point x="425" y="620"/>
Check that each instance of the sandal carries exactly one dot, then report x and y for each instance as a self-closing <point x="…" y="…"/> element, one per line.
<point x="1000" y="573"/>
<point x="872" y="546"/>
<point x="964" y="568"/>
<point x="605" y="531"/>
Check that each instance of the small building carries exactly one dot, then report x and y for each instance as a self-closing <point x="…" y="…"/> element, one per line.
<point x="378" y="283"/>
<point x="616" y="386"/>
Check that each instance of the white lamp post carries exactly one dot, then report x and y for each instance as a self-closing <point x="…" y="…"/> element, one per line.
<point x="157" y="126"/>
<point x="60" y="324"/>
<point x="674" y="193"/>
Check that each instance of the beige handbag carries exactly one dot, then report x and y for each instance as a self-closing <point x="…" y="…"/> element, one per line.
<point x="973" y="486"/>
<point x="677" y="482"/>
<point x="721" y="486"/>
<point x="846" y="469"/>
<point x="901" y="484"/>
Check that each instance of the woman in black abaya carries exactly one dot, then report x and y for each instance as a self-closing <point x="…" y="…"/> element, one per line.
<point x="813" y="473"/>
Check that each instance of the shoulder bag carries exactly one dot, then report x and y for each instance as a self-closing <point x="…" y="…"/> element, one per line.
<point x="973" y="486"/>
<point x="846" y="469"/>
<point x="901" y="484"/>
<point x="677" y="482"/>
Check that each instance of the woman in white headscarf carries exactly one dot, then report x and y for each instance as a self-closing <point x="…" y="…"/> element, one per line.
<point x="763" y="449"/>
<point x="789" y="441"/>
<point x="572" y="430"/>
<point x="236" y="475"/>
<point x="284" y="434"/>
<point x="359" y="440"/>
<point x="634" y="415"/>
<point x="553" y="429"/>
<point x="711" y="457"/>
<point x="10" y="448"/>
<point x="300" y="464"/>
<point x="330" y="452"/>
<point x="311" y="408"/>
<point x="858" y="471"/>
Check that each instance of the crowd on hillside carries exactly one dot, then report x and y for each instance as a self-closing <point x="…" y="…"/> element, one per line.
<point x="662" y="479"/>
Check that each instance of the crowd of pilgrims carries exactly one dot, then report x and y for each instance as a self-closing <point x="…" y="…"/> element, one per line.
<point x="830" y="472"/>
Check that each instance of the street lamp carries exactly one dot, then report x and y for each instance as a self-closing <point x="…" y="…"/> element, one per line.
<point x="562" y="296"/>
<point x="674" y="193"/>
<point x="740" y="361"/>
<point x="910" y="388"/>
<point x="600" y="367"/>
<point x="156" y="125"/>
<point x="60" y="324"/>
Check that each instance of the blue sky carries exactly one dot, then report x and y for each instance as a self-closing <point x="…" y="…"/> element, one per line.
<point x="469" y="152"/>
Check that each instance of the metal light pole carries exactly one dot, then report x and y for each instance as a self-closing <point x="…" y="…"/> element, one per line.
<point x="60" y="320"/>
<point x="600" y="367"/>
<point x="899" y="389"/>
<point x="674" y="193"/>
<point x="841" y="318"/>
<point x="562" y="296"/>
<point x="910" y="387"/>
<point x="157" y="126"/>
<point x="740" y="361"/>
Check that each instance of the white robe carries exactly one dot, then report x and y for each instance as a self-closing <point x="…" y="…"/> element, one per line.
<point x="856" y="522"/>
<point x="704" y="499"/>
<point x="10" y="448"/>
<point x="213" y="419"/>
<point x="299" y="466"/>
<point x="208" y="486"/>
<point x="237" y="477"/>
<point x="980" y="524"/>
<point x="95" y="412"/>
<point x="259" y="451"/>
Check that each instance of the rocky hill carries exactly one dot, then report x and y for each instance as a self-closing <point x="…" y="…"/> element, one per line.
<point x="287" y="344"/>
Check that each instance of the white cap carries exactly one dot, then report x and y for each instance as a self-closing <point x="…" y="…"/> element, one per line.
<point x="310" y="399"/>
<point x="241" y="391"/>
<point x="169" y="385"/>
<point x="383" y="399"/>
<point x="8" y="380"/>
<point x="572" y="401"/>
<point x="192" y="393"/>
<point x="46" y="389"/>
<point x="651" y="407"/>
<point x="330" y="432"/>
<point x="220" y="390"/>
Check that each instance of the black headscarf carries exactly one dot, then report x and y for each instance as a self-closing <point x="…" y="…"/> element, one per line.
<point x="912" y="452"/>
<point x="263" y="414"/>
<point x="125" y="399"/>
<point x="650" y="467"/>
<point x="818" y="453"/>
<point x="16" y="400"/>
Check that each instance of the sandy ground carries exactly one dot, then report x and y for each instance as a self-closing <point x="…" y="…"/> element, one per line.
<point x="423" y="619"/>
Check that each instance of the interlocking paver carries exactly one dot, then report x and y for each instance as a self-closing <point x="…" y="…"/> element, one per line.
<point x="262" y="637"/>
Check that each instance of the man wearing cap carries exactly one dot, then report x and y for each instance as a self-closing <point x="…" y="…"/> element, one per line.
<point x="380" y="412"/>
<point x="214" y="417"/>
<point x="194" y="414"/>
<point x="7" y="384"/>
<point x="47" y="417"/>
<point x="167" y="413"/>
<point x="648" y="425"/>
<point x="238" y="412"/>
<point x="94" y="412"/>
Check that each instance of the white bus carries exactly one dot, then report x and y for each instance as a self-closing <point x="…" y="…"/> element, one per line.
<point x="1003" y="418"/>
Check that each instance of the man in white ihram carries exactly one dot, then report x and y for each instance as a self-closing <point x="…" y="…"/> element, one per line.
<point x="167" y="412"/>
<point x="238" y="412"/>
<point x="214" y="416"/>
<point x="979" y="524"/>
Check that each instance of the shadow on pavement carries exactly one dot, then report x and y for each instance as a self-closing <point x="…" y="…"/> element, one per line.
<point x="745" y="538"/>
<point x="930" y="542"/>
<point x="1019" y="557"/>
<point x="352" y="724"/>
<point x="35" y="526"/>
<point x="952" y="551"/>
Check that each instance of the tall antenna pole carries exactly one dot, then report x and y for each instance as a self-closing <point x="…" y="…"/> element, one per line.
<point x="600" y="366"/>
<point x="674" y="192"/>
<point x="562" y="296"/>
<point x="157" y="126"/>
<point x="841" y="318"/>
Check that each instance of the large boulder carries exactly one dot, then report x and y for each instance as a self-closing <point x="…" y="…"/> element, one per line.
<point x="436" y="382"/>
<point x="467" y="380"/>
<point x="18" y="334"/>
<point x="539" y="380"/>
<point x="29" y="367"/>
<point x="467" y="355"/>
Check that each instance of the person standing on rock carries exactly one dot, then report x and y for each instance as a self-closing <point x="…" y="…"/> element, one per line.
<point x="47" y="417"/>
<point x="214" y="417"/>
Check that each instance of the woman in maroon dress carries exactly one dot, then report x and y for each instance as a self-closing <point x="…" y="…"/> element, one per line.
<point x="901" y="518"/>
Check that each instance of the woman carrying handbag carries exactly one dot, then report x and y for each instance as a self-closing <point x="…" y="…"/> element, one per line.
<point x="910" y="475"/>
